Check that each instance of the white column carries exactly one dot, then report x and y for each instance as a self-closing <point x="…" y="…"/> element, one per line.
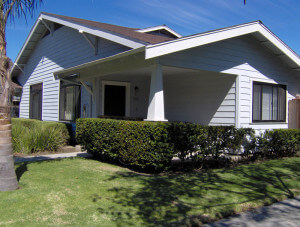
<point x="156" y="107"/>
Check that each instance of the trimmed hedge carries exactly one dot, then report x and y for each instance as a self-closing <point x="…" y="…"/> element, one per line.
<point x="135" y="143"/>
<point x="198" y="142"/>
<point x="152" y="145"/>
<point x="278" y="143"/>
<point x="32" y="136"/>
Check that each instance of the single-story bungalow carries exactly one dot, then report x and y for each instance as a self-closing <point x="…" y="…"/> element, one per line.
<point x="242" y="75"/>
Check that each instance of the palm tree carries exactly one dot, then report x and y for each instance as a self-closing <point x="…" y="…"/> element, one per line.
<point x="9" y="10"/>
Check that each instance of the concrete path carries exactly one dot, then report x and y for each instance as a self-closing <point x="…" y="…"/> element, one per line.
<point x="51" y="157"/>
<point x="285" y="213"/>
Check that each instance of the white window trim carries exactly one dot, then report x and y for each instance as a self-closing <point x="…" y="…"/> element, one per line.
<point x="251" y="100"/>
<point x="127" y="90"/>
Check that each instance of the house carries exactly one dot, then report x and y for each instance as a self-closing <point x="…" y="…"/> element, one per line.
<point x="242" y="75"/>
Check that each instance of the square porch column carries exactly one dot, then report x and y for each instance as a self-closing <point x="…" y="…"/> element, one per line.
<point x="156" y="107"/>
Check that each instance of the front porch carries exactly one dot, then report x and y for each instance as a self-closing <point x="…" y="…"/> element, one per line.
<point x="128" y="86"/>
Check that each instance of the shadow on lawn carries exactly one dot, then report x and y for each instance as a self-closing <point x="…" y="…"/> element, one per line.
<point x="20" y="170"/>
<point x="173" y="199"/>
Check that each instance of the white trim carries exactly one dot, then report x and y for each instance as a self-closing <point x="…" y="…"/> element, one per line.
<point x="93" y="45"/>
<point x="87" y="87"/>
<point x="160" y="27"/>
<point x="47" y="26"/>
<point x="127" y="90"/>
<point x="237" y="101"/>
<point x="184" y="43"/>
<point x="26" y="43"/>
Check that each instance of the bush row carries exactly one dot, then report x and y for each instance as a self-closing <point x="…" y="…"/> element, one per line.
<point x="152" y="145"/>
<point x="32" y="136"/>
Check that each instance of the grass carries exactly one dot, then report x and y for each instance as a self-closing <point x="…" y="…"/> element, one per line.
<point x="88" y="192"/>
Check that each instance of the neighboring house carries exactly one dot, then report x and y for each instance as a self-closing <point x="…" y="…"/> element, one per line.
<point x="242" y="75"/>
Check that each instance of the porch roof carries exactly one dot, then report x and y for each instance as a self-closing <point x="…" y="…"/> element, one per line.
<point x="103" y="64"/>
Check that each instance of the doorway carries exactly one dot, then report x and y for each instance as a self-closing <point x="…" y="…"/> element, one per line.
<point x="116" y="98"/>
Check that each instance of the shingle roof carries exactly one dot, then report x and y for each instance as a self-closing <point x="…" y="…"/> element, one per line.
<point x="131" y="33"/>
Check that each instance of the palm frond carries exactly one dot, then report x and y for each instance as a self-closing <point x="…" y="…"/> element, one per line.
<point x="12" y="9"/>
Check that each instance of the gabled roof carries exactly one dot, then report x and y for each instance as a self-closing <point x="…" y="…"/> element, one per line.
<point x="130" y="33"/>
<point x="256" y="28"/>
<point x="122" y="35"/>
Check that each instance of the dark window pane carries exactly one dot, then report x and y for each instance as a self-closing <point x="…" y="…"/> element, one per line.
<point x="281" y="103"/>
<point x="256" y="102"/>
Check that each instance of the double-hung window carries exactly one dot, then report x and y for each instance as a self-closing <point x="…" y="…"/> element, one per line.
<point x="269" y="102"/>
<point x="69" y="103"/>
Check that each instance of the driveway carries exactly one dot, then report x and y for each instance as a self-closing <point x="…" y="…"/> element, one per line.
<point x="285" y="213"/>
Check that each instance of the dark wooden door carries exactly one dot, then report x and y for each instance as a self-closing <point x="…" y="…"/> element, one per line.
<point x="36" y="101"/>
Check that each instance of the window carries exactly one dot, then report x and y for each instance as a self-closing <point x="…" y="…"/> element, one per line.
<point x="36" y="101"/>
<point x="269" y="102"/>
<point x="69" y="102"/>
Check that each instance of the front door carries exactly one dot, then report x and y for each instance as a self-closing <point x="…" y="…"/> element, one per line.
<point x="36" y="101"/>
<point x="114" y="100"/>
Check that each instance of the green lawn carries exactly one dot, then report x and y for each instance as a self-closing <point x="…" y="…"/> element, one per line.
<point x="88" y="192"/>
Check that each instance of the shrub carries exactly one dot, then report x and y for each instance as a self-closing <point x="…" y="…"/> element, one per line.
<point x="152" y="145"/>
<point x="140" y="144"/>
<point x="198" y="142"/>
<point x="279" y="143"/>
<point x="32" y="136"/>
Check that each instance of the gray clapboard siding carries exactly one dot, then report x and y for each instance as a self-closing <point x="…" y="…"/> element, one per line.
<point x="66" y="48"/>
<point x="203" y="97"/>
<point x="243" y="56"/>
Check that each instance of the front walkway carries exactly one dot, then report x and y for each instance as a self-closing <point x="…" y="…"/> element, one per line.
<point x="285" y="213"/>
<point x="51" y="157"/>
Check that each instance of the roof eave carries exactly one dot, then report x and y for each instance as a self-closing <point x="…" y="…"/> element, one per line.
<point x="187" y="42"/>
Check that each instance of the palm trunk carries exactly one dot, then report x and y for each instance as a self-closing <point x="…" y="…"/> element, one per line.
<point x="8" y="179"/>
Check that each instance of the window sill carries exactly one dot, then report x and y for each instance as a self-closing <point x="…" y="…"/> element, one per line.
<point x="268" y="123"/>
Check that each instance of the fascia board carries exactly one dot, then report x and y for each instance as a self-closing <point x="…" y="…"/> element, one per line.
<point x="96" y="32"/>
<point x="145" y="30"/>
<point x="279" y="44"/>
<point x="26" y="43"/>
<point x="184" y="43"/>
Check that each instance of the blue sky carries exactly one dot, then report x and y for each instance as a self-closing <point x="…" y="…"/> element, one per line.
<point x="184" y="16"/>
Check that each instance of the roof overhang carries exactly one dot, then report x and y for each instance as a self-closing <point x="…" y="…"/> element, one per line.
<point x="39" y="28"/>
<point x="103" y="66"/>
<point x="160" y="27"/>
<point x="257" y="28"/>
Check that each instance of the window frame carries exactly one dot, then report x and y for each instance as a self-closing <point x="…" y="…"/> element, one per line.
<point x="77" y="107"/>
<point x="285" y="104"/>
